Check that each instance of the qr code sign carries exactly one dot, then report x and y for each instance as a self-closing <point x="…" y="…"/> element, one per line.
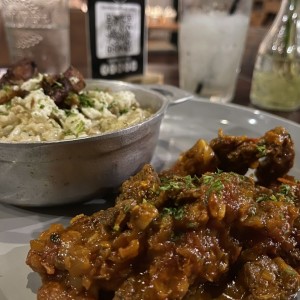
<point x="118" y="29"/>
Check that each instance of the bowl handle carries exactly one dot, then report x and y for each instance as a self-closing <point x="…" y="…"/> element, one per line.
<point x="174" y="94"/>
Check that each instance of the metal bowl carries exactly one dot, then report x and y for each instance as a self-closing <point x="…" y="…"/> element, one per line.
<point x="62" y="172"/>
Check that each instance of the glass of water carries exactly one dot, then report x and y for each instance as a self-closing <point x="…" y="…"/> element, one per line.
<point x="211" y="43"/>
<point x="38" y="30"/>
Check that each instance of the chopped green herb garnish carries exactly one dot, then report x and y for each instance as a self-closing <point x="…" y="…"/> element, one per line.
<point x="262" y="150"/>
<point x="265" y="197"/>
<point x="167" y="211"/>
<point x="85" y="101"/>
<point x="189" y="181"/>
<point x="79" y="127"/>
<point x="170" y="185"/>
<point x="69" y="112"/>
<point x="273" y="198"/>
<point x="178" y="183"/>
<point x="6" y="88"/>
<point x="127" y="208"/>
<point x="207" y="179"/>
<point x="124" y="111"/>
<point x="68" y="132"/>
<point x="217" y="186"/>
<point x="214" y="183"/>
<point x="176" y="212"/>
<point x="285" y="189"/>
<point x="262" y="198"/>
<point x="288" y="193"/>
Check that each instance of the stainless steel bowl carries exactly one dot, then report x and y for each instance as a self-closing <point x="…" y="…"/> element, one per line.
<point x="62" y="172"/>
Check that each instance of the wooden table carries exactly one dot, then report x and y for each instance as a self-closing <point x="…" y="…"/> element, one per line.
<point x="164" y="62"/>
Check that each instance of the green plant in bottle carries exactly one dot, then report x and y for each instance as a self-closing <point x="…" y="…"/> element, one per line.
<point x="276" y="76"/>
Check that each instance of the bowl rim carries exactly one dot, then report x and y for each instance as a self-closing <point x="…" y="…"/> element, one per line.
<point x="109" y="134"/>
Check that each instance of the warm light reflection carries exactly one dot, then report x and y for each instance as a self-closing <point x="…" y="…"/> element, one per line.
<point x="79" y="4"/>
<point x="252" y="121"/>
<point x="160" y="14"/>
<point x="224" y="122"/>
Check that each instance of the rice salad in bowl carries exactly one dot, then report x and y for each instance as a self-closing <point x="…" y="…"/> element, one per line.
<point x="42" y="107"/>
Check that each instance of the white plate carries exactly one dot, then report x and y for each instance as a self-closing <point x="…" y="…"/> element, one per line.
<point x="181" y="127"/>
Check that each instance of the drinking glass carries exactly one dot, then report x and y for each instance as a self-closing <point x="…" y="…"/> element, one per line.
<point x="211" y="43"/>
<point x="38" y="30"/>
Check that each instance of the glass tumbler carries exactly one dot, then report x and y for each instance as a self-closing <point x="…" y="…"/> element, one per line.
<point x="212" y="36"/>
<point x="38" y="30"/>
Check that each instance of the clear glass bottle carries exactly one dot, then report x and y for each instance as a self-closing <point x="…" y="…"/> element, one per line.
<point x="276" y="76"/>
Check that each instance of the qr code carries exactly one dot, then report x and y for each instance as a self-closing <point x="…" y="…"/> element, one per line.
<point x="119" y="36"/>
<point x="118" y="29"/>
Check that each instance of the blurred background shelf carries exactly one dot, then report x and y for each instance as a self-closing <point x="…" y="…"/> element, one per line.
<point x="264" y="12"/>
<point x="169" y="26"/>
<point x="162" y="33"/>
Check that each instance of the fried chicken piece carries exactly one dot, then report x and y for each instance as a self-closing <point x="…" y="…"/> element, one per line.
<point x="197" y="160"/>
<point x="63" y="88"/>
<point x="279" y="155"/>
<point x="235" y="153"/>
<point x="194" y="234"/>
<point x="175" y="235"/>
<point x="15" y="75"/>
<point x="272" y="155"/>
<point x="8" y="92"/>
<point x="75" y="78"/>
<point x="19" y="72"/>
<point x="264" y="278"/>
